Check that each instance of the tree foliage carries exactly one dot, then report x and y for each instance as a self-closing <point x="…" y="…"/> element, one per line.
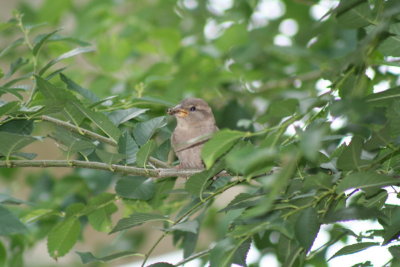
<point x="303" y="157"/>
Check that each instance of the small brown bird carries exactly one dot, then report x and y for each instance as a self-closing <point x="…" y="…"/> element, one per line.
<point x="195" y="125"/>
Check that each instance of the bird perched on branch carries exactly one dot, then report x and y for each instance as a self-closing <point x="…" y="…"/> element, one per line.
<point x="195" y="125"/>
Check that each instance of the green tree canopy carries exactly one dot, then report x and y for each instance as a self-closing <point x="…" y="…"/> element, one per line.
<point x="308" y="107"/>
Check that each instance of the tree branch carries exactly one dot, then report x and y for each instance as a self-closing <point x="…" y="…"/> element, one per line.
<point x="154" y="173"/>
<point x="93" y="135"/>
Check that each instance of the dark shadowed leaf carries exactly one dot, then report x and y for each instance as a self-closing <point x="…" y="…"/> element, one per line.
<point x="365" y="180"/>
<point x="354" y="248"/>
<point x="136" y="219"/>
<point x="135" y="187"/>
<point x="88" y="257"/>
<point x="79" y="89"/>
<point x="10" y="142"/>
<point x="197" y="183"/>
<point x="120" y="116"/>
<point x="145" y="130"/>
<point x="352" y="213"/>
<point x="161" y="264"/>
<point x="307" y="227"/>
<point x="9" y="223"/>
<point x="128" y="147"/>
<point x="240" y="255"/>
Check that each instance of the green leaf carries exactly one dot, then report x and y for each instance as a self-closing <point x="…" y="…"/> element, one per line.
<point x="88" y="257"/>
<point x="384" y="98"/>
<point x="79" y="89"/>
<point x="137" y="219"/>
<point x="144" y="130"/>
<point x="100" y="120"/>
<point x="307" y="228"/>
<point x="219" y="255"/>
<point x="10" y="142"/>
<point x="3" y="255"/>
<point x="357" y="16"/>
<point x="16" y="65"/>
<point x="23" y="127"/>
<point x="100" y="219"/>
<point x="37" y="214"/>
<point x="135" y="187"/>
<point x="352" y="213"/>
<point x="161" y="264"/>
<point x="123" y="115"/>
<point x="40" y="40"/>
<point x="388" y="46"/>
<point x="219" y="144"/>
<point x="63" y="237"/>
<point x="188" y="226"/>
<point x="68" y="54"/>
<point x="197" y="182"/>
<point x="109" y="157"/>
<point x="11" y="46"/>
<point x="363" y="180"/>
<point x="395" y="251"/>
<point x="249" y="159"/>
<point x="8" y="107"/>
<point x="7" y="199"/>
<point x="351" y="156"/>
<point x="354" y="248"/>
<point x="128" y="147"/>
<point x="240" y="255"/>
<point x="9" y="223"/>
<point x="144" y="153"/>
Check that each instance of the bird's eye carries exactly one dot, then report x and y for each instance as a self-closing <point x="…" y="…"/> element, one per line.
<point x="193" y="108"/>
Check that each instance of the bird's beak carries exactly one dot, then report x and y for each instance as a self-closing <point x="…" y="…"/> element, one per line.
<point x="178" y="111"/>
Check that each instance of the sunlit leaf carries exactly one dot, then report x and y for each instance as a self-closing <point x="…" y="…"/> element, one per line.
<point x="63" y="237"/>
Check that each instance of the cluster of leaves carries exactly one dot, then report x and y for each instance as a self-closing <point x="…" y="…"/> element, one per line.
<point x="297" y="171"/>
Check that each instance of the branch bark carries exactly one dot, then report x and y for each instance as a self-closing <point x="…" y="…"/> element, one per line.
<point x="154" y="173"/>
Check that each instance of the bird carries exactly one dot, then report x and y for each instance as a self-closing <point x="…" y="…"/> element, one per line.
<point x="195" y="125"/>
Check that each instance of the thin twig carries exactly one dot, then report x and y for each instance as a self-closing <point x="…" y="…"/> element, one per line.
<point x="194" y="256"/>
<point x="154" y="173"/>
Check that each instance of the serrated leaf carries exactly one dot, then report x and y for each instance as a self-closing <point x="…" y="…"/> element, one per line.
<point x="40" y="40"/>
<point x="219" y="144"/>
<point x="128" y="147"/>
<point x="197" y="183"/>
<point x="120" y="116"/>
<point x="68" y="54"/>
<point x="144" y="153"/>
<point x="135" y="187"/>
<point x="63" y="237"/>
<point x="307" y="228"/>
<point x="144" y="130"/>
<point x="363" y="180"/>
<point x="352" y="213"/>
<point x="88" y="257"/>
<point x="108" y="157"/>
<point x="9" y="223"/>
<point x="219" y="255"/>
<point x="137" y="219"/>
<point x="354" y="248"/>
<point x="38" y="214"/>
<point x="100" y="219"/>
<point x="240" y="255"/>
<point x="79" y="89"/>
<point x="10" y="142"/>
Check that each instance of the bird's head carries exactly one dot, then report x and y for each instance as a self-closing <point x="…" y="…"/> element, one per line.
<point x="192" y="112"/>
